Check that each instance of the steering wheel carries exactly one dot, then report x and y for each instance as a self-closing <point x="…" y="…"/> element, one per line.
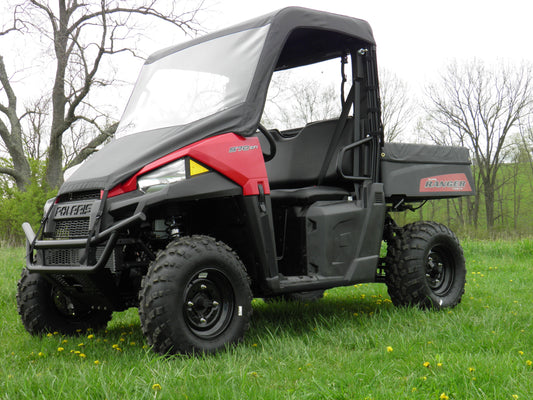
<point x="272" y="143"/>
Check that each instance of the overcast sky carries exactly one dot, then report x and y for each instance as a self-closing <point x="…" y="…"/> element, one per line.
<point x="417" y="38"/>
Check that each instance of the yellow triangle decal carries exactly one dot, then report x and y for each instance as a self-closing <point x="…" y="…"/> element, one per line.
<point x="196" y="169"/>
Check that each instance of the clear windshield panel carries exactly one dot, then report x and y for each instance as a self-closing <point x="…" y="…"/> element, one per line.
<point x="193" y="83"/>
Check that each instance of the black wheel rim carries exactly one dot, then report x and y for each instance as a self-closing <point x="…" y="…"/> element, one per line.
<point x="209" y="302"/>
<point x="440" y="270"/>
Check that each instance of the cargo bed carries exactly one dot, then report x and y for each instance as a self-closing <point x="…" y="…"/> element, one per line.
<point x="416" y="172"/>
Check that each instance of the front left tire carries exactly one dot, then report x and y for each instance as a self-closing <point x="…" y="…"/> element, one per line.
<point x="195" y="298"/>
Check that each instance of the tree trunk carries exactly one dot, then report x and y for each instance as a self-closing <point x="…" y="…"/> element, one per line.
<point x="12" y="137"/>
<point x="489" y="207"/>
<point x="55" y="151"/>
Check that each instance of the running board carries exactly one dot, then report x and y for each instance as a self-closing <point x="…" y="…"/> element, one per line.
<point x="287" y="284"/>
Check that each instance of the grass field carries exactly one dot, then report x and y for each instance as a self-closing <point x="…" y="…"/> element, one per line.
<point x="353" y="344"/>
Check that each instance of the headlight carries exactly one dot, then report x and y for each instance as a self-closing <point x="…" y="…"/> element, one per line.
<point x="163" y="176"/>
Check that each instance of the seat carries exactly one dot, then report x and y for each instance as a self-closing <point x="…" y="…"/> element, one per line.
<point x="300" y="157"/>
<point x="293" y="173"/>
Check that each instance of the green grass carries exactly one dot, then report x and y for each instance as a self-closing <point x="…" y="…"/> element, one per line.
<point x="333" y="349"/>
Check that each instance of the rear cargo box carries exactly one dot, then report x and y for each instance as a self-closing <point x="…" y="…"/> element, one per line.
<point x="418" y="171"/>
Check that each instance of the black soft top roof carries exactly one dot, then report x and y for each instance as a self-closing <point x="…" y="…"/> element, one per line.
<point x="282" y="23"/>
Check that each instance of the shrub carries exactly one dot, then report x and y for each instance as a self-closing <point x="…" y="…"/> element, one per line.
<point x="18" y="206"/>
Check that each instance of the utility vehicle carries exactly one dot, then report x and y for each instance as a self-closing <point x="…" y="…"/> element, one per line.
<point x="195" y="207"/>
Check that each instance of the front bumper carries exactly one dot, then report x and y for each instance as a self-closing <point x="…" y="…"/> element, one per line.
<point x="109" y="236"/>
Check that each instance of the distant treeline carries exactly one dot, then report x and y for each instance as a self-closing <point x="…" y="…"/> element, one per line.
<point x="466" y="216"/>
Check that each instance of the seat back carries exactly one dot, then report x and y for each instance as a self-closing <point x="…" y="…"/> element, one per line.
<point x="300" y="156"/>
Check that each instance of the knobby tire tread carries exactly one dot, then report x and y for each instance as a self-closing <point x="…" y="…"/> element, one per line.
<point x="406" y="283"/>
<point x="158" y="287"/>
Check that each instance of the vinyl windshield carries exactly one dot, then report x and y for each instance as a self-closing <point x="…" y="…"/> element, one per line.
<point x="193" y="83"/>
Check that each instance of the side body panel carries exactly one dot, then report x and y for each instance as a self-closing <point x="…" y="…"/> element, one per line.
<point x="237" y="158"/>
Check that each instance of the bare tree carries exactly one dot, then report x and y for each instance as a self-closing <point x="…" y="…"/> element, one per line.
<point x="81" y="35"/>
<point x="11" y="133"/>
<point x="479" y="107"/>
<point x="396" y="106"/>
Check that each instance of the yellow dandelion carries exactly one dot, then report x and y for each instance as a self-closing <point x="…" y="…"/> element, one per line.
<point x="82" y="355"/>
<point x="254" y="345"/>
<point x="156" y="386"/>
<point x="49" y="334"/>
<point x="81" y="344"/>
<point x="439" y="365"/>
<point x="132" y="343"/>
<point x="389" y="349"/>
<point x="64" y="341"/>
<point x="91" y="336"/>
<point x="96" y="362"/>
<point x="471" y="369"/>
<point x="529" y="363"/>
<point x="515" y="396"/>
<point x="443" y="396"/>
<point x="41" y="354"/>
<point x="414" y="389"/>
<point x="60" y="349"/>
<point x="254" y="374"/>
<point x="521" y="352"/>
<point x="426" y="364"/>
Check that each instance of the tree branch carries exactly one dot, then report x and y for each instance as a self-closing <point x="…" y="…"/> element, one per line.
<point x="186" y="21"/>
<point x="11" y="98"/>
<point x="49" y="13"/>
<point x="11" y="172"/>
<point x="16" y="21"/>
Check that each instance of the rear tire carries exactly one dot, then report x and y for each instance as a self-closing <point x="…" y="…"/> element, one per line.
<point x="426" y="267"/>
<point x="195" y="298"/>
<point x="44" y="308"/>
